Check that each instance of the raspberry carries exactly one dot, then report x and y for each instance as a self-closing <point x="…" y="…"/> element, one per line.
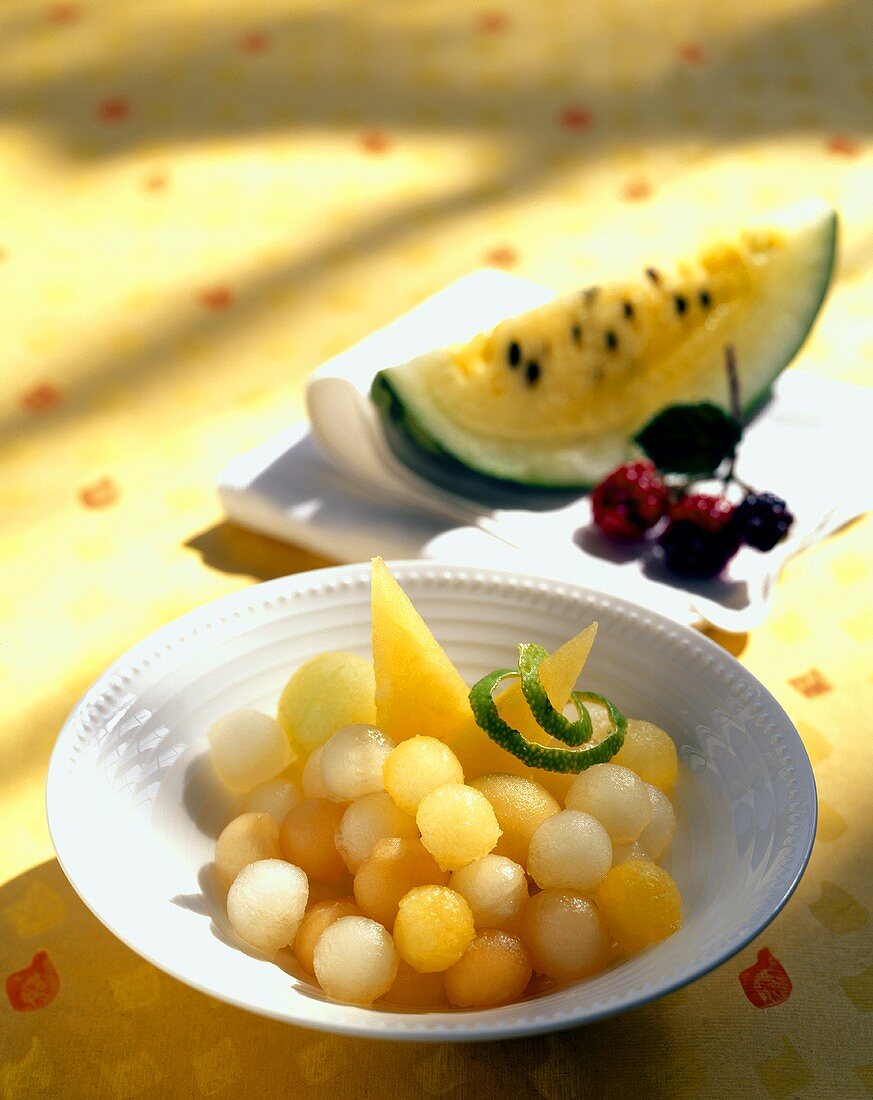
<point x="702" y="536"/>
<point x="763" y="520"/>
<point x="630" y="500"/>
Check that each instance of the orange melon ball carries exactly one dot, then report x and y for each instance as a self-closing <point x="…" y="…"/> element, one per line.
<point x="433" y="929"/>
<point x="521" y="806"/>
<point x="306" y="838"/>
<point x="494" y="970"/>
<point x="640" y="903"/>
<point x="651" y="753"/>
<point x="315" y="921"/>
<point x="457" y="825"/>
<point x="566" y="934"/>
<point x="392" y="869"/>
<point x="246" y="839"/>
<point x="414" y="990"/>
<point x="418" y="766"/>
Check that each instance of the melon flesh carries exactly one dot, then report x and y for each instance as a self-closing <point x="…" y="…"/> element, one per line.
<point x="479" y="755"/>
<point x="418" y="689"/>
<point x="553" y="397"/>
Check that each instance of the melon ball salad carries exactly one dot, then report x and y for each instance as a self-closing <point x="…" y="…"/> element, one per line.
<point x="414" y="842"/>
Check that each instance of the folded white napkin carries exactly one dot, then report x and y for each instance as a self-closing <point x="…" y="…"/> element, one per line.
<point x="335" y="487"/>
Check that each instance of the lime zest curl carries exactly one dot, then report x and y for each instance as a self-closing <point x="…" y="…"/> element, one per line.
<point x="546" y="757"/>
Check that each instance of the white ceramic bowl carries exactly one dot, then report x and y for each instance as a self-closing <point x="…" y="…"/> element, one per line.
<point x="134" y="807"/>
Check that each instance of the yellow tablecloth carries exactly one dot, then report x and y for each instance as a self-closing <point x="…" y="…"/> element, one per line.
<point x="202" y="201"/>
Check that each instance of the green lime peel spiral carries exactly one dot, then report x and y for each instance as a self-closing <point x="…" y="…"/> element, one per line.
<point x="549" y="758"/>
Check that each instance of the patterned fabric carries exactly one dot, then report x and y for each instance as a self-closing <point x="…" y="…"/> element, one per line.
<point x="203" y="201"/>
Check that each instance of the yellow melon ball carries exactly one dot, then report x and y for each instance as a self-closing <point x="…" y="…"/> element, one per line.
<point x="247" y="748"/>
<point x="306" y="838"/>
<point x="275" y="797"/>
<point x="457" y="825"/>
<point x="418" y="766"/>
<point x="433" y="929"/>
<point x="650" y="752"/>
<point x="246" y="839"/>
<point x="315" y="921"/>
<point x="495" y="888"/>
<point x="494" y="970"/>
<point x="414" y="990"/>
<point x="327" y="692"/>
<point x="355" y="960"/>
<point x="367" y="821"/>
<point x="566" y="934"/>
<point x="640" y="903"/>
<point x="391" y="870"/>
<point x="520" y="805"/>
<point x="616" y="796"/>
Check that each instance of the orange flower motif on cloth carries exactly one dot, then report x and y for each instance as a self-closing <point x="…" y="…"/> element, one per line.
<point x="113" y="110"/>
<point x="692" y="53"/>
<point x="64" y="13"/>
<point x="217" y="298"/>
<point x="255" y="42"/>
<point x="492" y="22"/>
<point x="501" y="255"/>
<point x="35" y="986"/>
<point x="843" y="146"/>
<point x="766" y="983"/>
<point x="41" y="398"/>
<point x="375" y="141"/>
<point x="575" y="118"/>
<point x="811" y="683"/>
<point x="99" y="494"/>
<point x="637" y="189"/>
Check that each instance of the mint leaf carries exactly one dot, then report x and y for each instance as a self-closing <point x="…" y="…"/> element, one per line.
<point x="690" y="439"/>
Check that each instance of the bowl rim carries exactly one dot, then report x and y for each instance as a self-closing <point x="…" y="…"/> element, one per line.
<point x="319" y="579"/>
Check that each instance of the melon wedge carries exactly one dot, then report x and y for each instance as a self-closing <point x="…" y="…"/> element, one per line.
<point x="553" y="397"/>
<point x="418" y="689"/>
<point x="479" y="755"/>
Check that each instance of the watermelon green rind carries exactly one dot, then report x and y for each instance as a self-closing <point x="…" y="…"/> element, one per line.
<point x="767" y="337"/>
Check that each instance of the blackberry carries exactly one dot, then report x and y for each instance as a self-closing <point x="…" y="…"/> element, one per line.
<point x="630" y="500"/>
<point x="701" y="537"/>
<point x="763" y="520"/>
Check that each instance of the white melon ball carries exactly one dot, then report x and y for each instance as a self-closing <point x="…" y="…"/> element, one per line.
<point x="367" y="821"/>
<point x="275" y="797"/>
<point x="246" y="839"/>
<point x="494" y="887"/>
<point x="266" y="903"/>
<point x="570" y="850"/>
<point x="622" y="853"/>
<point x="355" y="960"/>
<point x="351" y="762"/>
<point x="310" y="778"/>
<point x="566" y="934"/>
<point x="616" y="796"/>
<point x="657" y="836"/>
<point x="248" y="748"/>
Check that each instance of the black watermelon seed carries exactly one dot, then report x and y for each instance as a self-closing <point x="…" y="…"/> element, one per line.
<point x="654" y="275"/>
<point x="532" y="372"/>
<point x="628" y="309"/>
<point x="513" y="353"/>
<point x="705" y="299"/>
<point x="681" y="303"/>
<point x="611" y="340"/>
<point x="576" y="333"/>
